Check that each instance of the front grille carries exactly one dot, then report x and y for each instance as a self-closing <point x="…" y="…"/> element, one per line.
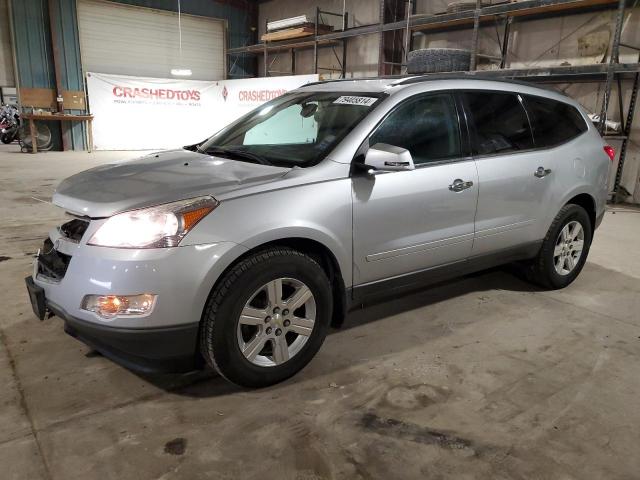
<point x="74" y="229"/>
<point x="51" y="263"/>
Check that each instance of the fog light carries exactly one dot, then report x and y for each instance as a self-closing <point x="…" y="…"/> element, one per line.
<point x="109" y="306"/>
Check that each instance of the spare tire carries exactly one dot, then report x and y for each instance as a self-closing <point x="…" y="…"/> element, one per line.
<point x="432" y="60"/>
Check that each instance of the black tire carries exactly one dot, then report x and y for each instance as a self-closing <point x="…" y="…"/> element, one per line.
<point x="7" y="138"/>
<point x="218" y="330"/>
<point x="432" y="60"/>
<point x="542" y="270"/>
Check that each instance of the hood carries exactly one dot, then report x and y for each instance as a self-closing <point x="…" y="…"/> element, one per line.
<point x="155" y="179"/>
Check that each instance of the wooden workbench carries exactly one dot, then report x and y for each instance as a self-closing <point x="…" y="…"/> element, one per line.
<point x="61" y="117"/>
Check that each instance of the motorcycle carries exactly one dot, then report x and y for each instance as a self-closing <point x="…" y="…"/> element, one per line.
<point x="9" y="123"/>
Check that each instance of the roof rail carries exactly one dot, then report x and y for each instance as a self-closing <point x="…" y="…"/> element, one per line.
<point x="488" y="75"/>
<point x="334" y="80"/>
<point x="475" y="75"/>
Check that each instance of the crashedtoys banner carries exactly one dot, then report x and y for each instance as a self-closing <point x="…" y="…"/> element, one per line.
<point x="136" y="113"/>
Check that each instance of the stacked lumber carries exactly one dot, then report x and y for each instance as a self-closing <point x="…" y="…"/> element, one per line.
<point x="299" y="31"/>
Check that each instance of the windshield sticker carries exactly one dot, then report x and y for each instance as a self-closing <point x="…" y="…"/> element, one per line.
<point x="353" y="100"/>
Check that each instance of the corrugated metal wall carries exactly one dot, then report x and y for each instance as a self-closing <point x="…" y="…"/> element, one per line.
<point x="70" y="67"/>
<point x="34" y="58"/>
<point x="6" y="53"/>
<point x="34" y="47"/>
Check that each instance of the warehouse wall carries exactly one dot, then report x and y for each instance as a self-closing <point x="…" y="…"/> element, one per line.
<point x="32" y="40"/>
<point x="34" y="47"/>
<point x="362" y="52"/>
<point x="6" y="55"/>
<point x="70" y="67"/>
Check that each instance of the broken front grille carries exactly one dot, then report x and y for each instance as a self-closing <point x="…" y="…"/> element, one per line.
<point x="51" y="263"/>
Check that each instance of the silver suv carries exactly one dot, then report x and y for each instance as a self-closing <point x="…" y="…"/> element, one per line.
<point x="241" y="251"/>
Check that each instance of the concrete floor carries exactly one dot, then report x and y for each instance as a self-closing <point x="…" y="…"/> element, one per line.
<point x="486" y="377"/>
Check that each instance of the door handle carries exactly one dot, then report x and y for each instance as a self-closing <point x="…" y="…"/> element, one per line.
<point x="541" y="172"/>
<point x="458" y="185"/>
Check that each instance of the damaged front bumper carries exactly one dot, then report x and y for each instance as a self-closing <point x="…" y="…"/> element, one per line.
<point x="165" y="340"/>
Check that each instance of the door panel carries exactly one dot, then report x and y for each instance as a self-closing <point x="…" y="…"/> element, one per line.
<point x="412" y="220"/>
<point x="511" y="199"/>
<point x="409" y="221"/>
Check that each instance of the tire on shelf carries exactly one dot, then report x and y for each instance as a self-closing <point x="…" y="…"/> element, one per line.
<point x="433" y="60"/>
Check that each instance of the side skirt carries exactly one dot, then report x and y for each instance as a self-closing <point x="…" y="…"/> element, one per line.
<point x="375" y="291"/>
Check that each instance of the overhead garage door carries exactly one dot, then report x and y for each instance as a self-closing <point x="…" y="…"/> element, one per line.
<point x="144" y="42"/>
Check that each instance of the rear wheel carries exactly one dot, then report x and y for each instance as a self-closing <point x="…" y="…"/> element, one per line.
<point x="266" y="318"/>
<point x="564" y="250"/>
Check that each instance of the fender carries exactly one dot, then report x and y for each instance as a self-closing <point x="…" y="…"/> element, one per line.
<point x="583" y="189"/>
<point x="307" y="232"/>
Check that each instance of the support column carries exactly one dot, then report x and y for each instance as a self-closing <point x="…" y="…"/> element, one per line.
<point x="613" y="59"/>
<point x="476" y="36"/>
<point x="55" y="50"/>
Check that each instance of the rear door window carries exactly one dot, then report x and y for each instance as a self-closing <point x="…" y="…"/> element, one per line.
<point x="553" y="122"/>
<point x="499" y="123"/>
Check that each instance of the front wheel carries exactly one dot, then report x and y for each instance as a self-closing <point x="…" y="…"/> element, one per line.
<point x="564" y="250"/>
<point x="266" y="318"/>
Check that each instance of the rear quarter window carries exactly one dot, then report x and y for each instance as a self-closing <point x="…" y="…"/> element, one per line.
<point x="553" y="122"/>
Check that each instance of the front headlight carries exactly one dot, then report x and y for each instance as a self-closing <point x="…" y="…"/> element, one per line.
<point x="153" y="227"/>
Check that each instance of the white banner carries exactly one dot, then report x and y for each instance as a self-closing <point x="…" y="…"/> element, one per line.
<point x="136" y="113"/>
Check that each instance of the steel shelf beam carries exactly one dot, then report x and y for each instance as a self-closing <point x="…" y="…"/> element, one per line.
<point x="258" y="49"/>
<point x="582" y="73"/>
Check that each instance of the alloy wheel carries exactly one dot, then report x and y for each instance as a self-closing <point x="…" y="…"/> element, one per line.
<point x="276" y="322"/>
<point x="568" y="249"/>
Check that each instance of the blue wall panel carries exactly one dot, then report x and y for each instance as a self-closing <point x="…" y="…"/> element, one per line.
<point x="33" y="43"/>
<point x="33" y="50"/>
<point x="70" y="65"/>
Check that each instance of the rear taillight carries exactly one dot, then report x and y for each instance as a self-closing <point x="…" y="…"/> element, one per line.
<point x="611" y="153"/>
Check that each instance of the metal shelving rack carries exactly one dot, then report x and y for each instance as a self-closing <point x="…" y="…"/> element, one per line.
<point x="314" y="42"/>
<point x="504" y="15"/>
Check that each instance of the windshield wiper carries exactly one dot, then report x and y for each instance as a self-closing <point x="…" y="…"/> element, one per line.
<point x="194" y="148"/>
<point x="238" y="153"/>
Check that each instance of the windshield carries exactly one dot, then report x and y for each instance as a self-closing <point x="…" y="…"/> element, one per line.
<point x="296" y="129"/>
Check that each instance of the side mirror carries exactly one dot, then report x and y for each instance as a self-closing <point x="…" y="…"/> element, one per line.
<point x="382" y="157"/>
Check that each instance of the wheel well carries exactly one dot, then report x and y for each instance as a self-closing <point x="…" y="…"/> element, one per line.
<point x="587" y="202"/>
<point x="325" y="258"/>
